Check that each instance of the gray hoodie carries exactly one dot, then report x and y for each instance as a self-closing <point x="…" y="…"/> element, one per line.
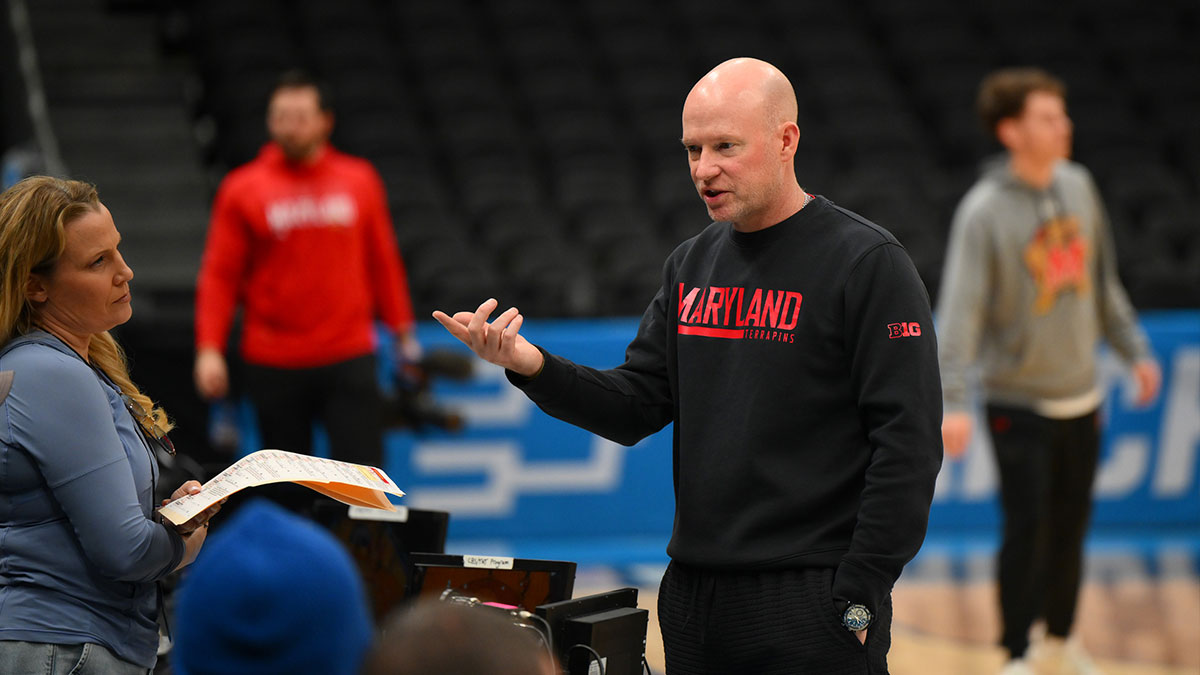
<point x="1030" y="287"/>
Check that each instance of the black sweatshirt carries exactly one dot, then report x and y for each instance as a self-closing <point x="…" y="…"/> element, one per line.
<point x="800" y="367"/>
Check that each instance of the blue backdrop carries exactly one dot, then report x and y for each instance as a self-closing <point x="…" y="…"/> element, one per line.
<point x="519" y="482"/>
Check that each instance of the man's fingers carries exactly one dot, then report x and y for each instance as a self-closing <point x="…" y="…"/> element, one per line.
<point x="954" y="441"/>
<point x="511" y="334"/>
<point x="444" y="319"/>
<point x="514" y="327"/>
<point x="489" y="340"/>
<point x="478" y="324"/>
<point x="455" y="327"/>
<point x="1149" y="379"/>
<point x="497" y="331"/>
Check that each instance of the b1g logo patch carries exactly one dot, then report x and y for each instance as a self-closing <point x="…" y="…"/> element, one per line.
<point x="899" y="330"/>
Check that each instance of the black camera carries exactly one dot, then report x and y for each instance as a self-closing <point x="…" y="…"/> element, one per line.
<point x="411" y="405"/>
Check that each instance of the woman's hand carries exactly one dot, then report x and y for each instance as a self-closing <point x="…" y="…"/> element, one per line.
<point x="194" y="531"/>
<point x="201" y="519"/>
<point x="192" y="543"/>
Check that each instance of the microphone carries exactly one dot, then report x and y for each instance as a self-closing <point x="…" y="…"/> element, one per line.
<point x="520" y="617"/>
<point x="455" y="598"/>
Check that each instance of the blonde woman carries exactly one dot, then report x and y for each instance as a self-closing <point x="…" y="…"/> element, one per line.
<point x="80" y="545"/>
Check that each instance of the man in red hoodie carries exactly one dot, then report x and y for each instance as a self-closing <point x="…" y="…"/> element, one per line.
<point x="301" y="238"/>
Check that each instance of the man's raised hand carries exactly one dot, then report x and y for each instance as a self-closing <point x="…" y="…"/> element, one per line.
<point x="498" y="342"/>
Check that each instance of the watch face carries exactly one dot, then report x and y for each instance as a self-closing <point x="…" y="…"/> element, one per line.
<point x="856" y="618"/>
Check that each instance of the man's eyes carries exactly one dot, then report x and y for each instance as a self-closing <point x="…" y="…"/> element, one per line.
<point x="721" y="147"/>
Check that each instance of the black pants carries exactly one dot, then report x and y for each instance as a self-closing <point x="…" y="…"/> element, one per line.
<point x="1047" y="467"/>
<point x="344" y="397"/>
<point x="778" y="622"/>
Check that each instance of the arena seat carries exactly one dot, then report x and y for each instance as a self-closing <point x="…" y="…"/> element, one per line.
<point x="483" y="109"/>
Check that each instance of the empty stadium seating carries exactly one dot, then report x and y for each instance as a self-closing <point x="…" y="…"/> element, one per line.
<point x="507" y="130"/>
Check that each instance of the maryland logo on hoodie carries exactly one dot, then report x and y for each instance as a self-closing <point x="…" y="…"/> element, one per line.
<point x="1056" y="257"/>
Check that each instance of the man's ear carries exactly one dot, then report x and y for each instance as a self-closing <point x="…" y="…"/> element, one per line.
<point x="791" y="137"/>
<point x="1007" y="132"/>
<point x="35" y="289"/>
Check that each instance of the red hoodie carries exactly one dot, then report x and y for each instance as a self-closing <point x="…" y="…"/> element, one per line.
<point x="309" y="251"/>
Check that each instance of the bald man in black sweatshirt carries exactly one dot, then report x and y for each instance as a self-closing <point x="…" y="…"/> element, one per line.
<point x="792" y="344"/>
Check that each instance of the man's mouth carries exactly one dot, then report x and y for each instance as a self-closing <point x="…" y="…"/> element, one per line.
<point x="711" y="194"/>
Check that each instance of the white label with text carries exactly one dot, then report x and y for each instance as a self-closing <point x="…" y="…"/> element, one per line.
<point x="488" y="562"/>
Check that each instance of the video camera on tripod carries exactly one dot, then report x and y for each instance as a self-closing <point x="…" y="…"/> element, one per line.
<point x="411" y="405"/>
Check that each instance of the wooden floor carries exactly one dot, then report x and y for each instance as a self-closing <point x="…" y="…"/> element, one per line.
<point x="1131" y="627"/>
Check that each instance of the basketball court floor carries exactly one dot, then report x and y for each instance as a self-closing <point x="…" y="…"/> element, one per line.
<point x="1139" y="612"/>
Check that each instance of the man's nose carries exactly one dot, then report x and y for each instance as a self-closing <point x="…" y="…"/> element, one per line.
<point x="705" y="167"/>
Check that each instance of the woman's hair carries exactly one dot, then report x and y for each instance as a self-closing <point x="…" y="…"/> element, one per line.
<point x="1002" y="94"/>
<point x="33" y="215"/>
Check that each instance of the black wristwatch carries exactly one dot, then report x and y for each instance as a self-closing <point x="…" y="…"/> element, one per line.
<point x="856" y="617"/>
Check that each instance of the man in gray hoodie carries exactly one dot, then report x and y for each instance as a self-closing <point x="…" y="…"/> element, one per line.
<point x="1030" y="289"/>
